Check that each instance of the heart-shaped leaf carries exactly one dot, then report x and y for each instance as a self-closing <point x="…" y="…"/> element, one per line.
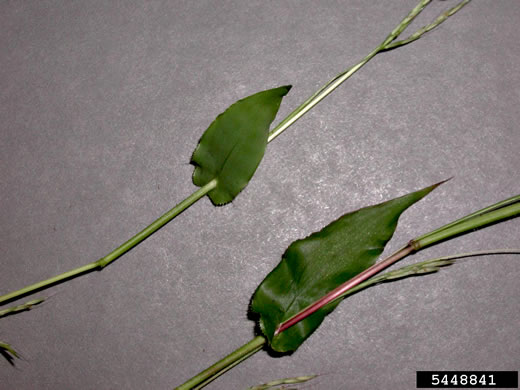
<point x="312" y="267"/>
<point x="234" y="144"/>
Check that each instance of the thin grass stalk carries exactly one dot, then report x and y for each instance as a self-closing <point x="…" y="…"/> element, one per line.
<point x="425" y="267"/>
<point x="116" y="253"/>
<point x="202" y="379"/>
<point x="384" y="46"/>
<point x="19" y="308"/>
<point x="201" y="192"/>
<point x="419" y="33"/>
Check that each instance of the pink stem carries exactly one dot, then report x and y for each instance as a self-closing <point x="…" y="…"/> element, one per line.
<point x="340" y="290"/>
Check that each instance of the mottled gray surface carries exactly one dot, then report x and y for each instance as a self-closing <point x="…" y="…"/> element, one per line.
<point x="101" y="106"/>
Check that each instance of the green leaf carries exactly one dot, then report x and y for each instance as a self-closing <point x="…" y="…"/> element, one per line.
<point x="312" y="267"/>
<point x="234" y="144"/>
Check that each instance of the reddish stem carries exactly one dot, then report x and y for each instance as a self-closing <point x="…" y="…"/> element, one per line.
<point x="340" y="290"/>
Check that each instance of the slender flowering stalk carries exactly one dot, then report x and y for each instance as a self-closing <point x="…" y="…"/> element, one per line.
<point x="441" y="18"/>
<point x="340" y="290"/>
<point x="386" y="45"/>
<point x="424" y="267"/>
<point x="308" y="104"/>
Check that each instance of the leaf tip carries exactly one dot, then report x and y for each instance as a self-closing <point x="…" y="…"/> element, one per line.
<point x="443" y="181"/>
<point x="284" y="89"/>
<point x="434" y="186"/>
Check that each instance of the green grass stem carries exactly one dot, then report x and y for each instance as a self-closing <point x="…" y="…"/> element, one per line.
<point x="203" y="378"/>
<point x="19" y="308"/>
<point x="282" y="126"/>
<point x="120" y="250"/>
<point x="507" y="208"/>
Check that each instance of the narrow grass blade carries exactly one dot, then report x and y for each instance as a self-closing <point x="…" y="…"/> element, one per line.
<point x="497" y="212"/>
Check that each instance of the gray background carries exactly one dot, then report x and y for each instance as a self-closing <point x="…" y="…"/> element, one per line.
<point x="101" y="106"/>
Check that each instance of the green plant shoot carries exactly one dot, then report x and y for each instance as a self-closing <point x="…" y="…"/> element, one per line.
<point x="223" y="183"/>
<point x="225" y="160"/>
